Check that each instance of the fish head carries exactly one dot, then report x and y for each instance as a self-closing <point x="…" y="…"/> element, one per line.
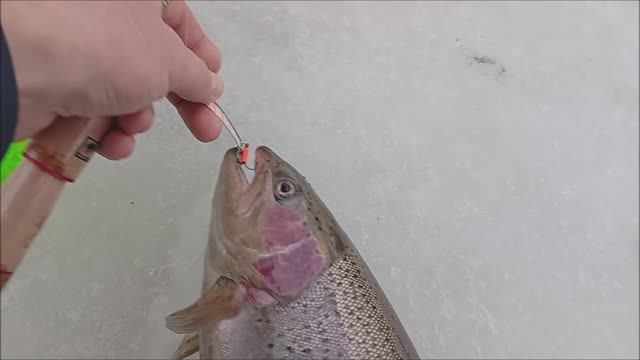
<point x="273" y="233"/>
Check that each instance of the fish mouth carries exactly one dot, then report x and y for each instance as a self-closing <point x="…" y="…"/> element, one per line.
<point x="232" y="169"/>
<point x="231" y="165"/>
<point x="247" y="193"/>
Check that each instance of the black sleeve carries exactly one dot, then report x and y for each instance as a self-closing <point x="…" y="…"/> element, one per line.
<point x="8" y="97"/>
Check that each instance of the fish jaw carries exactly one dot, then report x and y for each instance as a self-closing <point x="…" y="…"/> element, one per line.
<point x="231" y="179"/>
<point x="234" y="241"/>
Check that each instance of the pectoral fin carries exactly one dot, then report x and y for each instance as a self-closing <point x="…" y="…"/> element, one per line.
<point x="189" y="346"/>
<point x="222" y="301"/>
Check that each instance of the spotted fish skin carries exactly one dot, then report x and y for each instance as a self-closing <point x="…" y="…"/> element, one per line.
<point x="342" y="315"/>
<point x="320" y="302"/>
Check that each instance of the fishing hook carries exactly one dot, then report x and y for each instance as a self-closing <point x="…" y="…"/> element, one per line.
<point x="243" y="147"/>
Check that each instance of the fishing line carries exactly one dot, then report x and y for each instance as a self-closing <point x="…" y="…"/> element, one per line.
<point x="243" y="147"/>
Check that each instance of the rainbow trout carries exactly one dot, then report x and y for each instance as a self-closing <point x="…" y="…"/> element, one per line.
<point x="281" y="278"/>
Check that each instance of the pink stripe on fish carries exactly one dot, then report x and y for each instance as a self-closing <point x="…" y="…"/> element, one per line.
<point x="287" y="234"/>
<point x="282" y="227"/>
<point x="289" y="271"/>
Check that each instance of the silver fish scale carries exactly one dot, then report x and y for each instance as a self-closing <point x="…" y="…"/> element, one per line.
<point x="305" y="328"/>
<point x="372" y="327"/>
<point x="342" y="315"/>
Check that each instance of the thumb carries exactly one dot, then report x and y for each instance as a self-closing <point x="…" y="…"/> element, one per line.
<point x="189" y="76"/>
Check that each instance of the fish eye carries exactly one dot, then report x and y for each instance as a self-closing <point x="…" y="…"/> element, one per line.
<point x="285" y="188"/>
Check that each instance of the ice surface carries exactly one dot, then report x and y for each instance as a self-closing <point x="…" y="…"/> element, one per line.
<point x="483" y="156"/>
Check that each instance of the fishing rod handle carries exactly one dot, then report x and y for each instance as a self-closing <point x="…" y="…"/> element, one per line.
<point x="55" y="156"/>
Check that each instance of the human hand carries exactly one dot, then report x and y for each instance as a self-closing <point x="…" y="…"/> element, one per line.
<point x="111" y="58"/>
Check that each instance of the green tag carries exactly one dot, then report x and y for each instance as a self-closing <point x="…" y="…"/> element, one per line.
<point x="12" y="159"/>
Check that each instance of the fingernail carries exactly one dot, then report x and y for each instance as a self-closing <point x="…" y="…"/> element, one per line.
<point x="218" y="86"/>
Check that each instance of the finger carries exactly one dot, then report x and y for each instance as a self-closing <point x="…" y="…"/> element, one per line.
<point x="137" y="122"/>
<point x="116" y="145"/>
<point x="202" y="123"/>
<point x="189" y="77"/>
<point x="180" y="18"/>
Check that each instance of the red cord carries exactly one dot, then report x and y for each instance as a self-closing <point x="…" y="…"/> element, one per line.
<point x="56" y="174"/>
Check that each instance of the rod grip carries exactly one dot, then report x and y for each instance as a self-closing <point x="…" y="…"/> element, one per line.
<point x="29" y="195"/>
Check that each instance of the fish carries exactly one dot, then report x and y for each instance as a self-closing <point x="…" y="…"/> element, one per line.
<point x="282" y="280"/>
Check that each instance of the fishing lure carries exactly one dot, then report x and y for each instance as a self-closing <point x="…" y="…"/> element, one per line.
<point x="243" y="147"/>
